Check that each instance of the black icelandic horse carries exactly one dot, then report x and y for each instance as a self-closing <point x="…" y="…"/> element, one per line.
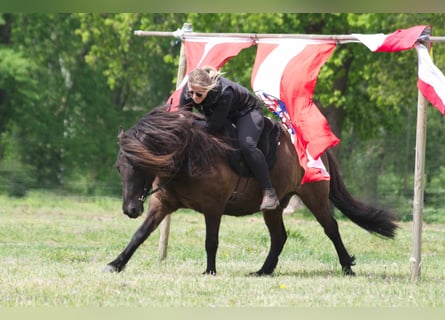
<point x="188" y="168"/>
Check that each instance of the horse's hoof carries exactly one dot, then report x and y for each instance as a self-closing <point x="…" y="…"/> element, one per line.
<point x="110" y="269"/>
<point x="347" y="271"/>
<point x="210" y="272"/>
<point x="259" y="273"/>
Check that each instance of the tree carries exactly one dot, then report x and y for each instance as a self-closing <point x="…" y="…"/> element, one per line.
<point x="68" y="81"/>
<point x="139" y="71"/>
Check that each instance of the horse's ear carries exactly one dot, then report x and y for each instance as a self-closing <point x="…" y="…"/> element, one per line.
<point x="121" y="132"/>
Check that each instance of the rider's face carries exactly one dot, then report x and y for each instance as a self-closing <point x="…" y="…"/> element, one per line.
<point x="197" y="94"/>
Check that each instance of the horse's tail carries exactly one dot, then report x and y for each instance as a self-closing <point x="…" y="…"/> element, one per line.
<point x="372" y="219"/>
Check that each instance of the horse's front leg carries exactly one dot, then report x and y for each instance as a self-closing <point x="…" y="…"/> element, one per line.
<point x="155" y="215"/>
<point x="213" y="222"/>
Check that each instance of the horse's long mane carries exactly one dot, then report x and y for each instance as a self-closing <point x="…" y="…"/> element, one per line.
<point x="168" y="142"/>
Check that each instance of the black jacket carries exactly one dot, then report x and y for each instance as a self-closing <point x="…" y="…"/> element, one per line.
<point x="226" y="102"/>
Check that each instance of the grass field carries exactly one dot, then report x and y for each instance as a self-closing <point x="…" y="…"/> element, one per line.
<point x="53" y="250"/>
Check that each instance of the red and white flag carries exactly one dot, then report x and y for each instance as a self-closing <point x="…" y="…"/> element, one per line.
<point x="402" y="39"/>
<point x="284" y="77"/>
<point x="431" y="81"/>
<point x="214" y="52"/>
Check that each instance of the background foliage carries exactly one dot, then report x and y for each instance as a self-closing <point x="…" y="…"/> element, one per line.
<point x="69" y="81"/>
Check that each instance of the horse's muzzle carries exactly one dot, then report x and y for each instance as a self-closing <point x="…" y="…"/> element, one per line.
<point x="133" y="211"/>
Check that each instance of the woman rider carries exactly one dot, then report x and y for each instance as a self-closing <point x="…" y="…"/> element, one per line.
<point x="222" y="100"/>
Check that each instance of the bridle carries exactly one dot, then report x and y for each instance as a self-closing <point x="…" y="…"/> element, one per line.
<point x="148" y="191"/>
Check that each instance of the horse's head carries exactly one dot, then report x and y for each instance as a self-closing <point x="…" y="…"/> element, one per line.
<point x="162" y="144"/>
<point x="135" y="185"/>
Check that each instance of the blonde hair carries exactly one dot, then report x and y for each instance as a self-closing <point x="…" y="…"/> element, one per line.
<point x="205" y="78"/>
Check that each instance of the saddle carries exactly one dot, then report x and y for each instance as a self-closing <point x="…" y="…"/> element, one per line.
<point x="268" y="144"/>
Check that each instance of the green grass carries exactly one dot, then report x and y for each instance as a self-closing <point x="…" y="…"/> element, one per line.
<point x="53" y="250"/>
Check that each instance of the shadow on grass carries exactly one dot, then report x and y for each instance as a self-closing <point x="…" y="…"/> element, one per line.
<point x="329" y="273"/>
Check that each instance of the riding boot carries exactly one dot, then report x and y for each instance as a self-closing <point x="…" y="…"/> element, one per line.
<point x="270" y="200"/>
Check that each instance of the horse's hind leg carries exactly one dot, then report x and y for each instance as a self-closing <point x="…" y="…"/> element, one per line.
<point x="315" y="196"/>
<point x="278" y="237"/>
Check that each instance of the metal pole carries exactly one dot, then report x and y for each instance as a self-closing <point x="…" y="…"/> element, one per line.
<point x="165" y="224"/>
<point x="256" y="36"/>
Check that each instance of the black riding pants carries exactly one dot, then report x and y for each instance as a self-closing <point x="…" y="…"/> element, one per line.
<point x="249" y="127"/>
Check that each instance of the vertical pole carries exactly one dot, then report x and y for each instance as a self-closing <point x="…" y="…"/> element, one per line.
<point x="416" y="258"/>
<point x="419" y="181"/>
<point x="165" y="224"/>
